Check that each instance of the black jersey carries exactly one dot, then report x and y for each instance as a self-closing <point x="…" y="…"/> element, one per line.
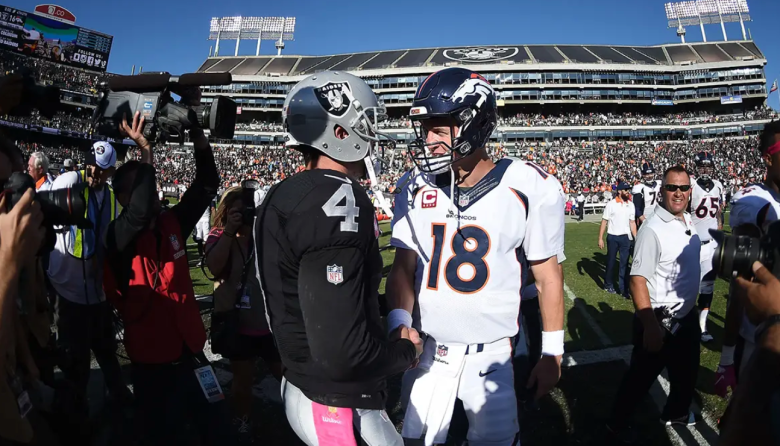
<point x="319" y="268"/>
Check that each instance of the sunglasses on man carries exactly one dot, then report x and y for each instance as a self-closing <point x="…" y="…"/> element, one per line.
<point x="674" y="187"/>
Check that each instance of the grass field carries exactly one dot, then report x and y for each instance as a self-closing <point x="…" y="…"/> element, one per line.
<point x="574" y="413"/>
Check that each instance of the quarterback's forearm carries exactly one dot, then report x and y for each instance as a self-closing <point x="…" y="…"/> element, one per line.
<point x="400" y="281"/>
<point x="549" y="282"/>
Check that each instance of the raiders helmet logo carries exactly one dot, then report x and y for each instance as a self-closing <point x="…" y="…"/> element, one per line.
<point x="100" y="150"/>
<point x="334" y="97"/>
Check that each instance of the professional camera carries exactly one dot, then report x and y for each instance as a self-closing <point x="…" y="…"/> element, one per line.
<point x="150" y="94"/>
<point x="45" y="99"/>
<point x="63" y="207"/>
<point x="248" y="190"/>
<point x="737" y="253"/>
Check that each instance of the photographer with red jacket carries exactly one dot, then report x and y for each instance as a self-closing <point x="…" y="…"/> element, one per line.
<point x="148" y="280"/>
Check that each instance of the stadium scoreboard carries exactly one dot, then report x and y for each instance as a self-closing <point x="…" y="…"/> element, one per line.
<point x="60" y="42"/>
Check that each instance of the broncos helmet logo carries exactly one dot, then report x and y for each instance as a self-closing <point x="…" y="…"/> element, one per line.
<point x="476" y="85"/>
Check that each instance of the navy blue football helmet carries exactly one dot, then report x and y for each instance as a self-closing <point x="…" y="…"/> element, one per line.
<point x="464" y="97"/>
<point x="648" y="172"/>
<point x="704" y="165"/>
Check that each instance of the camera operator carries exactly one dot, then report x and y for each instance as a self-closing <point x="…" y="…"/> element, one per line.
<point x="83" y="318"/>
<point x="752" y="414"/>
<point x="664" y="285"/>
<point x="21" y="236"/>
<point x="148" y="280"/>
<point x="752" y="210"/>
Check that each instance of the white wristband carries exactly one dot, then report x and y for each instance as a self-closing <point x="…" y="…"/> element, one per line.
<point x="398" y="317"/>
<point x="552" y="343"/>
<point x="727" y="355"/>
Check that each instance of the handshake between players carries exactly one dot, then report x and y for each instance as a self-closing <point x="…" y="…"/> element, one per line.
<point x="458" y="262"/>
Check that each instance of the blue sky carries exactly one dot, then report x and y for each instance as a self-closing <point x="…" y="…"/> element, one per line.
<point x="171" y="35"/>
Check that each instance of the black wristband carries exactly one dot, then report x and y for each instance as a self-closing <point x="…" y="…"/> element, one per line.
<point x="762" y="328"/>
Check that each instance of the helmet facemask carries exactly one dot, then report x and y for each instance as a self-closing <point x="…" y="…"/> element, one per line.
<point x="421" y="151"/>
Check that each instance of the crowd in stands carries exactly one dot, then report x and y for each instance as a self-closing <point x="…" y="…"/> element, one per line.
<point x="603" y="119"/>
<point x="49" y="73"/>
<point x="591" y="168"/>
<point x="259" y="126"/>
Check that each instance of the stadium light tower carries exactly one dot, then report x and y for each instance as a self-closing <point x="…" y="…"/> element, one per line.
<point x="707" y="12"/>
<point x="245" y="28"/>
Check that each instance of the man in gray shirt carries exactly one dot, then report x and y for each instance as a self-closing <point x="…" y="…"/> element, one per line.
<point x="664" y="284"/>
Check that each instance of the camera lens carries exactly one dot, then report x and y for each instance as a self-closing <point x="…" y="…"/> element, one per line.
<point x="736" y="255"/>
<point x="63" y="207"/>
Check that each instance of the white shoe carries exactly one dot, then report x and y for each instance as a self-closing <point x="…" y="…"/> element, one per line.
<point x="706" y="337"/>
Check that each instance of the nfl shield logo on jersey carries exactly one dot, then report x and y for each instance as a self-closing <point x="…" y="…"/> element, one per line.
<point x="463" y="200"/>
<point x="335" y="274"/>
<point x="442" y="350"/>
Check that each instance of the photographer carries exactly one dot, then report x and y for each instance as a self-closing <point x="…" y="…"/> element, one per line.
<point x="148" y="280"/>
<point x="753" y="412"/>
<point x="239" y="329"/>
<point x="21" y="236"/>
<point x="83" y="318"/>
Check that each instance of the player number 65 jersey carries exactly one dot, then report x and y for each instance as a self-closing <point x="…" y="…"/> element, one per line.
<point x="706" y="201"/>
<point x="472" y="247"/>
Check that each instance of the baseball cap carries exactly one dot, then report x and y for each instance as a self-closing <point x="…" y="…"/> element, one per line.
<point x="104" y="155"/>
<point x="623" y="186"/>
<point x="68" y="163"/>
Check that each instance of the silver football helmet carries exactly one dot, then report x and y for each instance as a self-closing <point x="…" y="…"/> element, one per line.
<point x="322" y="101"/>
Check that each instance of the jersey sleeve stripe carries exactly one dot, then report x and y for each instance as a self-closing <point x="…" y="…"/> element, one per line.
<point x="523" y="200"/>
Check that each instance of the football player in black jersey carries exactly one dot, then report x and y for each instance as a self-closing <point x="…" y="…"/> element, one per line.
<point x="319" y="267"/>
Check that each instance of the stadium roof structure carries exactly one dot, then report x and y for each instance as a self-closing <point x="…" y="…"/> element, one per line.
<point x="509" y="57"/>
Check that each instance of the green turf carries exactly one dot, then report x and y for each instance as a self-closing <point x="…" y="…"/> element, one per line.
<point x="574" y="412"/>
<point x="584" y="271"/>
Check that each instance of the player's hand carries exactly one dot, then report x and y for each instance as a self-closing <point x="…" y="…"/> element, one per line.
<point x="134" y="131"/>
<point x="761" y="297"/>
<point x="414" y="336"/>
<point x="601" y="244"/>
<point x="653" y="338"/>
<point x="725" y="377"/>
<point x="21" y="230"/>
<point x="234" y="220"/>
<point x="545" y="375"/>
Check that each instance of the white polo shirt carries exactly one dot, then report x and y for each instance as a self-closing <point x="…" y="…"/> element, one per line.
<point x="619" y="214"/>
<point x="667" y="254"/>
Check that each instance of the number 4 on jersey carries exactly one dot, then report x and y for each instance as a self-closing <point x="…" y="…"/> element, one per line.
<point x="348" y="210"/>
<point x="470" y="245"/>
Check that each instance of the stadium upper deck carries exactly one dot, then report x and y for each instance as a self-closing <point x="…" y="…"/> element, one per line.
<point x="672" y="57"/>
<point x="717" y="78"/>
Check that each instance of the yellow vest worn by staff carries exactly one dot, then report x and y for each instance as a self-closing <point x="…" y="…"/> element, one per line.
<point x="82" y="242"/>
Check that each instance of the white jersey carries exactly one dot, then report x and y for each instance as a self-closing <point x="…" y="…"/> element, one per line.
<point x="206" y="217"/>
<point x="706" y="202"/>
<point x="754" y="205"/>
<point x="650" y="193"/>
<point x="472" y="250"/>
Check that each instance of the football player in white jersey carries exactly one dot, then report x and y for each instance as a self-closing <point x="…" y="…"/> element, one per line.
<point x="463" y="228"/>
<point x="646" y="194"/>
<point x="753" y="209"/>
<point x="705" y="207"/>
